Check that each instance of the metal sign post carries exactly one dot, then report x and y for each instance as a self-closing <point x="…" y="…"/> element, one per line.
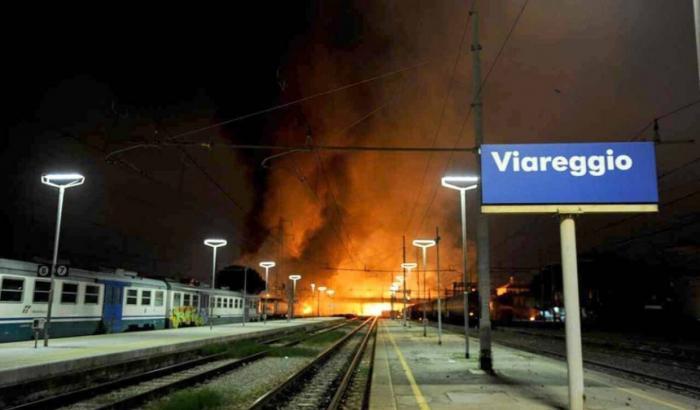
<point x="569" y="179"/>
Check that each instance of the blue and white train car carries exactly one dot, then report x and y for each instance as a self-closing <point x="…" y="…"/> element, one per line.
<point x="131" y="302"/>
<point x="77" y="302"/>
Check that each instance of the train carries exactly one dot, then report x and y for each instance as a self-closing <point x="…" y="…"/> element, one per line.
<point x="452" y="308"/>
<point x="88" y="302"/>
<point x="505" y="309"/>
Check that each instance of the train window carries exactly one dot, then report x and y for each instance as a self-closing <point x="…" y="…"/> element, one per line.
<point x="230" y="302"/>
<point x="131" y="296"/>
<point x="41" y="291"/>
<point x="92" y="294"/>
<point x="11" y="290"/>
<point x="218" y="302"/>
<point x="186" y="299"/>
<point x="69" y="292"/>
<point x="159" y="298"/>
<point x="176" y="299"/>
<point x="146" y="297"/>
<point x="195" y="300"/>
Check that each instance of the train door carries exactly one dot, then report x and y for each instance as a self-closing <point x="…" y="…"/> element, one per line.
<point x="113" y="306"/>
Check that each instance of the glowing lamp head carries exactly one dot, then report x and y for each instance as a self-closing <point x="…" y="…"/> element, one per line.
<point x="267" y="264"/>
<point x="409" y="266"/>
<point x="423" y="243"/>
<point x="295" y="277"/>
<point x="330" y="292"/>
<point x="461" y="182"/>
<point x="62" y="180"/>
<point x="215" y="243"/>
<point x="322" y="288"/>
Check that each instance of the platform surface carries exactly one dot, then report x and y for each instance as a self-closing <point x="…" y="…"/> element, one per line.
<point x="414" y="372"/>
<point x="19" y="360"/>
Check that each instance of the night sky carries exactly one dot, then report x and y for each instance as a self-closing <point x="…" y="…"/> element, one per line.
<point x="81" y="86"/>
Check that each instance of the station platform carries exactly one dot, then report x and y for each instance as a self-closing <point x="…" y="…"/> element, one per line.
<point x="20" y="362"/>
<point x="414" y="372"/>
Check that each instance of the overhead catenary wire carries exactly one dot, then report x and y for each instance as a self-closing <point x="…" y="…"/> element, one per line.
<point x="468" y="115"/>
<point x="440" y="120"/>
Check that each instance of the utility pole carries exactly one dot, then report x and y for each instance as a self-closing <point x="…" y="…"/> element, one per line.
<point x="482" y="223"/>
<point x="437" y="268"/>
<point x="403" y="247"/>
<point x="696" y="7"/>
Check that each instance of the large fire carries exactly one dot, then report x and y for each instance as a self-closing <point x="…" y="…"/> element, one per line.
<point x="337" y="218"/>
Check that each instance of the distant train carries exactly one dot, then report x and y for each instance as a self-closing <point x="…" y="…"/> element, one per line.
<point x="452" y="309"/>
<point x="86" y="302"/>
<point x="505" y="309"/>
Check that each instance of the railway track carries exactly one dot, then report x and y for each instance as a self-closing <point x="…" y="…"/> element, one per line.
<point x="339" y="377"/>
<point x="131" y="391"/>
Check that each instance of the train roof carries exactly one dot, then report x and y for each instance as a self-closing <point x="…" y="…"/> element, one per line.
<point x="25" y="268"/>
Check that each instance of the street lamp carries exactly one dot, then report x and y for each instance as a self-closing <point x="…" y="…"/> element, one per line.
<point x="330" y="293"/>
<point x="213" y="243"/>
<point x="406" y="267"/>
<point x="321" y="289"/>
<point x="62" y="182"/>
<point x="294" y="279"/>
<point x="424" y="244"/>
<point x="463" y="184"/>
<point x="267" y="265"/>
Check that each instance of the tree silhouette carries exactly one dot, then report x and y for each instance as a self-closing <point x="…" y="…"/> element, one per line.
<point x="232" y="277"/>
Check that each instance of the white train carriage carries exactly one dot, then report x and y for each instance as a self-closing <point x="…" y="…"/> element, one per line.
<point x="76" y="308"/>
<point x="185" y="305"/>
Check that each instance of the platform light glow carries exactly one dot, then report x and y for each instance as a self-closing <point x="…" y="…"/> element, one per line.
<point x="215" y="243"/>
<point x="423" y="243"/>
<point x="295" y="277"/>
<point x="62" y="180"/>
<point x="460" y="182"/>
<point x="267" y="264"/>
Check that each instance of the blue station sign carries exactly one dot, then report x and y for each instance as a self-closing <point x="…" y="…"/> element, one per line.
<point x="574" y="174"/>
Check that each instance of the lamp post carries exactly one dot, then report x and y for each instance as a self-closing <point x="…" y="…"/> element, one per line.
<point x="321" y="289"/>
<point x="294" y="279"/>
<point x="245" y="295"/>
<point x="213" y="243"/>
<point x="62" y="182"/>
<point x="464" y="184"/>
<point x="267" y="265"/>
<point x="406" y="267"/>
<point x="399" y="282"/>
<point x="424" y="244"/>
<point x="330" y="293"/>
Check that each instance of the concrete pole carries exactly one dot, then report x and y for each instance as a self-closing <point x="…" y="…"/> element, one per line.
<point x="425" y="271"/>
<point x="54" y="262"/>
<point x="289" y="305"/>
<point x="294" y="295"/>
<point x="437" y="268"/>
<point x="211" y="296"/>
<point x="267" y="271"/>
<point x="245" y="295"/>
<point x="465" y="269"/>
<point x="405" y="284"/>
<point x="696" y="7"/>
<point x="482" y="222"/>
<point x="574" y="357"/>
